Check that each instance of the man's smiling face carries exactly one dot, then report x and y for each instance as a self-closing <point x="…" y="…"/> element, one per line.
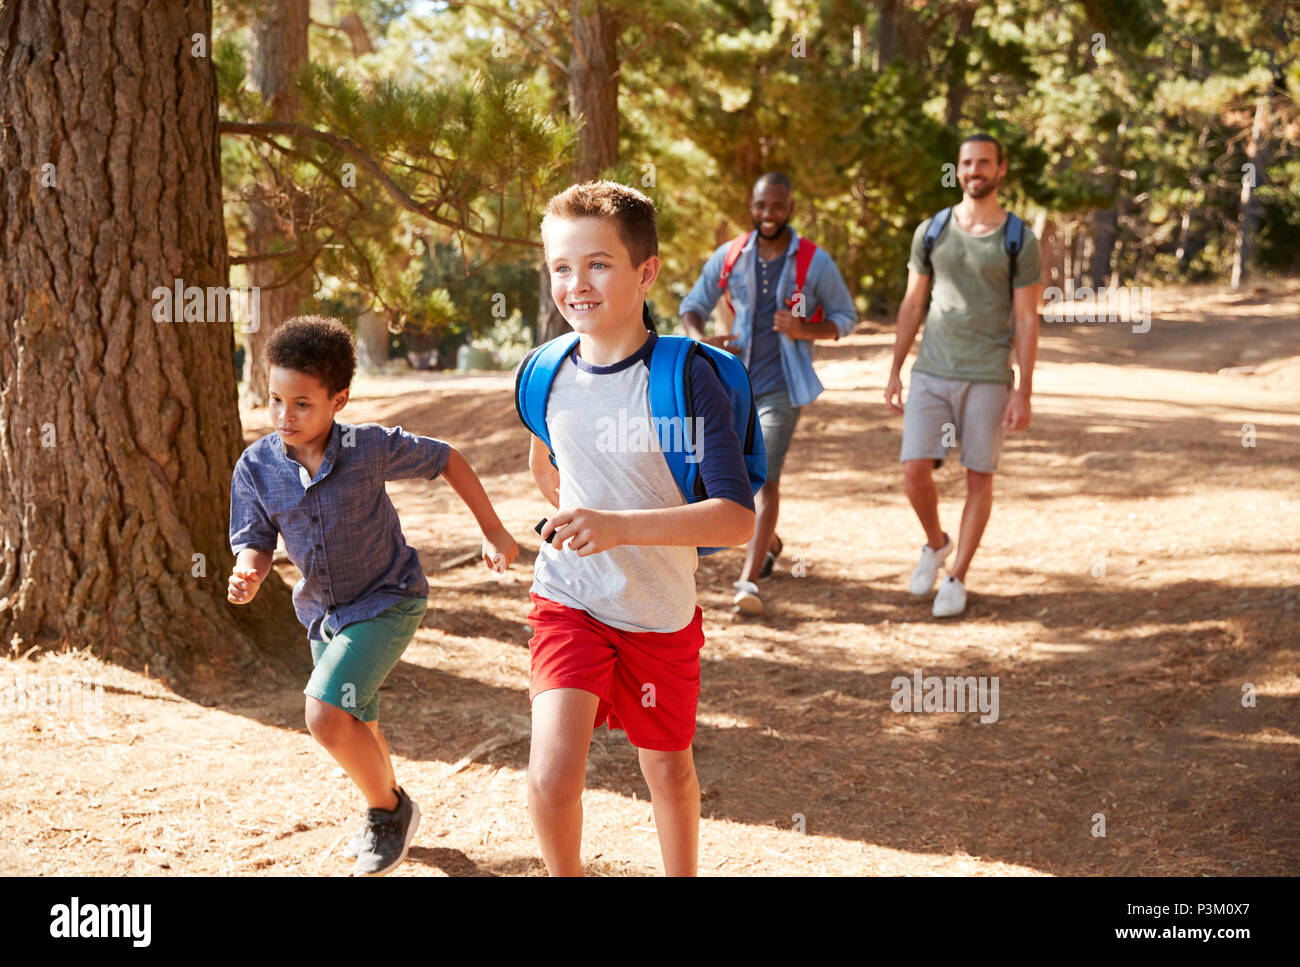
<point x="770" y="207"/>
<point x="978" y="168"/>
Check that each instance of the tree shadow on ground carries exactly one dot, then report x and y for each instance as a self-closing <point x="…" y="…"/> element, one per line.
<point x="1137" y="727"/>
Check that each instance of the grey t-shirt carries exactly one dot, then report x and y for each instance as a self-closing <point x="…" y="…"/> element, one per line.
<point x="608" y="456"/>
<point x="968" y="327"/>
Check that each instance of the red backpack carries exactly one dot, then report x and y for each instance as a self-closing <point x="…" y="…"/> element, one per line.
<point x="802" y="260"/>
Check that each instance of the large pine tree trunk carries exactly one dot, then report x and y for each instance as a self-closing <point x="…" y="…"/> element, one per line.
<point x="593" y="88"/>
<point x="958" y="57"/>
<point x="278" y="49"/>
<point x="118" y="434"/>
<point x="593" y="103"/>
<point x="887" y="35"/>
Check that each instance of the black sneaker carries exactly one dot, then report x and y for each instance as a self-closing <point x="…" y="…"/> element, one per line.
<point x="387" y="837"/>
<point x="770" y="559"/>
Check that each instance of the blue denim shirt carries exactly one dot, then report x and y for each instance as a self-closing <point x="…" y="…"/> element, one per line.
<point x="824" y="287"/>
<point x="340" y="528"/>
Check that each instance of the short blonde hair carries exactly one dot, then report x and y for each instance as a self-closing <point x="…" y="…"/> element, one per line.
<point x="633" y="213"/>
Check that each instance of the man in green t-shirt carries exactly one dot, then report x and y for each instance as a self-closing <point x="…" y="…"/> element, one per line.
<point x="963" y="389"/>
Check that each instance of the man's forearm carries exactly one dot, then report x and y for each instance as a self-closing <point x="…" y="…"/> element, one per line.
<point x="909" y="321"/>
<point x="1026" y="351"/>
<point x="817" y="330"/>
<point x="693" y="325"/>
<point x="716" y="522"/>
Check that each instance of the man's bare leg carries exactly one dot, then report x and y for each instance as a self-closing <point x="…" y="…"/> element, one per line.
<point x="767" y="505"/>
<point x="974" y="517"/>
<point x="918" y="481"/>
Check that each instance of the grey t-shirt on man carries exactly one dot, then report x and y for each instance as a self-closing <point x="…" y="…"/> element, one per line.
<point x="968" y="328"/>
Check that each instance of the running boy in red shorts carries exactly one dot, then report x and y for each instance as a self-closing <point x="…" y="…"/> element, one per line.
<point x="616" y="630"/>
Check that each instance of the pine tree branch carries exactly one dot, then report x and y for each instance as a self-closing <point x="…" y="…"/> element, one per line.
<point x="269" y="256"/>
<point x="573" y="40"/>
<point x="266" y="131"/>
<point x="519" y="28"/>
<point x="651" y="37"/>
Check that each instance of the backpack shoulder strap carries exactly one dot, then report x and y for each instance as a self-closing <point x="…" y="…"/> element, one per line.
<point x="1013" y="242"/>
<point x="729" y="263"/>
<point x="937" y="224"/>
<point x="670" y="408"/>
<point x="802" y="263"/>
<point x="533" y="384"/>
<point x="671" y="397"/>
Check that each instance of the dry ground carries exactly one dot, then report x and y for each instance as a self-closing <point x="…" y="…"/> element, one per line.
<point x="1140" y="568"/>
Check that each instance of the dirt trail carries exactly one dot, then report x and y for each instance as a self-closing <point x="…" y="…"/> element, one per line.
<point x="1140" y="568"/>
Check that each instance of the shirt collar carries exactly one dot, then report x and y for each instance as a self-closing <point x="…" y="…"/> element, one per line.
<point x="327" y="459"/>
<point x="791" y="249"/>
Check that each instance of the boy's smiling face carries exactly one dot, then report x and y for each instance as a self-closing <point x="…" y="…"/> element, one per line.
<point x="302" y="409"/>
<point x="593" y="281"/>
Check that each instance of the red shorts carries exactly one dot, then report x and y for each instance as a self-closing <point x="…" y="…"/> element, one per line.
<point x="648" y="683"/>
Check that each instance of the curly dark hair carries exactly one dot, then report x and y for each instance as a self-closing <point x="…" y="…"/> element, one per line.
<point x="316" y="346"/>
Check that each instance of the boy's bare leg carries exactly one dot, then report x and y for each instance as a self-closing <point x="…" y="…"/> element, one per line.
<point x="918" y="480"/>
<point x="767" y="506"/>
<point x="355" y="748"/>
<point x="675" y="795"/>
<point x="974" y="517"/>
<point x="557" y="774"/>
<point x="383" y="746"/>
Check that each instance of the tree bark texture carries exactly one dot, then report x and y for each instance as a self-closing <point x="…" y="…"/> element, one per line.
<point x="118" y="433"/>
<point x="277" y="51"/>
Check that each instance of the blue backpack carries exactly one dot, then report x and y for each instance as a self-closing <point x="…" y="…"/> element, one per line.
<point x="670" y="396"/>
<point x="1012" y="242"/>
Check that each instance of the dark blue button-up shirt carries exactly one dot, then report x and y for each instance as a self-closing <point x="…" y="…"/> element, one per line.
<point x="340" y="528"/>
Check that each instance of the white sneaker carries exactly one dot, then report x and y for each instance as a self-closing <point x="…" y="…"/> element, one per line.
<point x="951" y="599"/>
<point x="746" y="600"/>
<point x="927" y="569"/>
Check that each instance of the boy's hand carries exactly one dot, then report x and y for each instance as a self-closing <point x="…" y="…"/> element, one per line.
<point x="242" y="586"/>
<point x="592" y="531"/>
<point x="499" y="550"/>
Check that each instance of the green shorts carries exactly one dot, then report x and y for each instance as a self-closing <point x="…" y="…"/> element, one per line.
<point x="353" y="662"/>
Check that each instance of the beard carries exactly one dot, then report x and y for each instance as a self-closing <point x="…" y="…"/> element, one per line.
<point x="779" y="229"/>
<point x="984" y="189"/>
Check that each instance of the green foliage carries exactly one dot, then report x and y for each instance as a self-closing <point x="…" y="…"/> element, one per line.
<point x="1137" y="105"/>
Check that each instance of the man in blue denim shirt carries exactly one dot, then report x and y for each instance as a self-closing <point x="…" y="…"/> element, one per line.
<point x="775" y="343"/>
<point x="319" y="484"/>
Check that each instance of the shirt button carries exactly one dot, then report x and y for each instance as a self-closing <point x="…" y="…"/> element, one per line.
<point x="318" y="547"/>
<point x="315" y="520"/>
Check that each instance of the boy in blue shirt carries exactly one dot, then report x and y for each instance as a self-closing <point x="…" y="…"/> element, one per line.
<point x="320" y="485"/>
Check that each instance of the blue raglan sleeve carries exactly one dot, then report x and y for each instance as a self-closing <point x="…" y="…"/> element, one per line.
<point x="833" y="295"/>
<point x="249" y="525"/>
<point x="722" y="462"/>
<point x="408" y="456"/>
